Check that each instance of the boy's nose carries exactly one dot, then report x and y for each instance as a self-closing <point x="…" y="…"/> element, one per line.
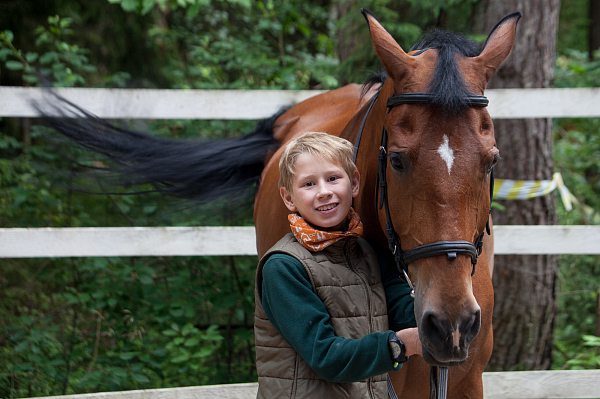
<point x="324" y="191"/>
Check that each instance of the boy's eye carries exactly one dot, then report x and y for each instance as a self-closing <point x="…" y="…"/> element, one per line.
<point x="333" y="178"/>
<point x="308" y="184"/>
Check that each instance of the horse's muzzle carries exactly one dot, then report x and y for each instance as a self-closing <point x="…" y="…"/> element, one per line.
<point x="445" y="343"/>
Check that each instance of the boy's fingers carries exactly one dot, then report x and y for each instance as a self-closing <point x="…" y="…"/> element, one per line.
<point x="410" y="337"/>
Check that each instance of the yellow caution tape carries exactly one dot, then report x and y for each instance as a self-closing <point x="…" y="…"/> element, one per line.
<point x="526" y="189"/>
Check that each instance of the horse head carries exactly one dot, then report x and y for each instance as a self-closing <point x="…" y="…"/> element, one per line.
<point x="438" y="157"/>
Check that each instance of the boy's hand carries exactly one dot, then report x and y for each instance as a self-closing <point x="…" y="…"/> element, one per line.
<point x="412" y="343"/>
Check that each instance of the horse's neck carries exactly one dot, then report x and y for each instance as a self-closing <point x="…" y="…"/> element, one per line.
<point x="367" y="160"/>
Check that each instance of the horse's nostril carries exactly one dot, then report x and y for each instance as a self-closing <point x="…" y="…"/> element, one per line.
<point x="472" y="327"/>
<point x="439" y="332"/>
<point x="434" y="329"/>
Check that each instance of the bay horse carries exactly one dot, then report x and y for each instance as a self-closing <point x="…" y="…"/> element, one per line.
<point x="425" y="150"/>
<point x="441" y="151"/>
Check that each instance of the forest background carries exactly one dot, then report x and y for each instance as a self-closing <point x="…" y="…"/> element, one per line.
<point x="81" y="325"/>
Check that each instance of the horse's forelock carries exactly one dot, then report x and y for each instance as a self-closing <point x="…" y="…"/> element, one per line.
<point x="447" y="86"/>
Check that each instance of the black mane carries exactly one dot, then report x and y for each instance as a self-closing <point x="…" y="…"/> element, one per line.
<point x="448" y="88"/>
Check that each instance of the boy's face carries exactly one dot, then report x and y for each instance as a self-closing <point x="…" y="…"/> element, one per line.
<point x="321" y="193"/>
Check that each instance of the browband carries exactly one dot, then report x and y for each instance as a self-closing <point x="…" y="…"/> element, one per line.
<point x="472" y="100"/>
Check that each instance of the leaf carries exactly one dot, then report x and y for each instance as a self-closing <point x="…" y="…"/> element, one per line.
<point x="49" y="57"/>
<point x="30" y="78"/>
<point x="181" y="358"/>
<point x="127" y="355"/>
<point x="118" y="372"/>
<point x="160" y="352"/>
<point x="192" y="342"/>
<point x="170" y="333"/>
<point x="21" y="346"/>
<point x="188" y="329"/>
<point x="150" y="209"/>
<point x="14" y="65"/>
<point x="176" y="312"/>
<point x="20" y="198"/>
<point x="146" y="280"/>
<point x="591" y="340"/>
<point x="205" y="351"/>
<point x="8" y="35"/>
<point x="141" y="378"/>
<point x="31" y="57"/>
<point x="5" y="52"/>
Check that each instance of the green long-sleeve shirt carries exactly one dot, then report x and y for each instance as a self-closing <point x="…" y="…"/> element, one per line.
<point x="303" y="321"/>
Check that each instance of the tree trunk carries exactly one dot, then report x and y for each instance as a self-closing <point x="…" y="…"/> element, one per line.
<point x="594" y="35"/>
<point x="346" y="35"/>
<point x="525" y="299"/>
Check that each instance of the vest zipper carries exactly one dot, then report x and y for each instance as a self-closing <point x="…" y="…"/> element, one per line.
<point x="368" y="292"/>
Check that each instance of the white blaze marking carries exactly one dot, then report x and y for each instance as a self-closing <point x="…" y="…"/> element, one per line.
<point x="456" y="337"/>
<point x="446" y="153"/>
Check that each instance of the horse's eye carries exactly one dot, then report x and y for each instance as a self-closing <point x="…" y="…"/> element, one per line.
<point x="399" y="162"/>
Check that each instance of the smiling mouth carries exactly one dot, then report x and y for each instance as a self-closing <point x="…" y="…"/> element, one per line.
<point x="327" y="207"/>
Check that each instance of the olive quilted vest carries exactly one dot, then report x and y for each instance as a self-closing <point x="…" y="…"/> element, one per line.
<point x="346" y="277"/>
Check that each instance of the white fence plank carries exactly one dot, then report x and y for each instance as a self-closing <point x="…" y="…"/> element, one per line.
<point x="530" y="240"/>
<point x="203" y="241"/>
<point x="156" y="104"/>
<point x="229" y="391"/>
<point x="126" y="241"/>
<point x="258" y="104"/>
<point x="544" y="103"/>
<point x="572" y="384"/>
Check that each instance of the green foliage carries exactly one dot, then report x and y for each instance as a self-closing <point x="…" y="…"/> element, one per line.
<point x="573" y="28"/>
<point x="274" y="44"/>
<point x="577" y="157"/>
<point x="85" y="325"/>
<point x="406" y="21"/>
<point x="55" y="59"/>
<point x="193" y="6"/>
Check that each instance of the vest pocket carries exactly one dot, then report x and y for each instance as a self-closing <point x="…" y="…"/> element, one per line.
<point x="295" y="382"/>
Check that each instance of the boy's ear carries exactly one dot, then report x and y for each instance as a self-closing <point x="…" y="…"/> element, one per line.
<point x="287" y="199"/>
<point x="355" y="184"/>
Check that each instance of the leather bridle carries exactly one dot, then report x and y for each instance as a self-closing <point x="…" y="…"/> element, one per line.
<point x="448" y="248"/>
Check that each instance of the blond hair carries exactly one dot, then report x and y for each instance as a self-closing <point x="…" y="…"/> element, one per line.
<point x="321" y="145"/>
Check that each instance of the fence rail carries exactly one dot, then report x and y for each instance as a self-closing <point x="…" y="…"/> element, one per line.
<point x="259" y="104"/>
<point x="581" y="384"/>
<point x="204" y="241"/>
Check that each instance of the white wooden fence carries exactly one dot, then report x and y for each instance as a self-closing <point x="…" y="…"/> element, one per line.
<point x="201" y="241"/>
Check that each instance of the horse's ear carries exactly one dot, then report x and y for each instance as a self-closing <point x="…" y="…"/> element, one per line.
<point x="499" y="44"/>
<point x="395" y="61"/>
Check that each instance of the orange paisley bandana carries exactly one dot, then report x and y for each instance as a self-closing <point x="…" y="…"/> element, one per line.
<point x="317" y="240"/>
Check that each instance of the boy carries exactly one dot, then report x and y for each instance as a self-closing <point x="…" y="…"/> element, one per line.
<point x="322" y="302"/>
